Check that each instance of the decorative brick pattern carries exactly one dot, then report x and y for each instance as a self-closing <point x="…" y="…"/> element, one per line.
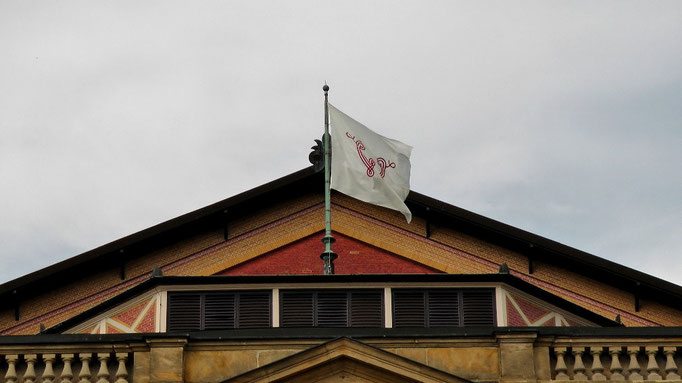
<point x="523" y="312"/>
<point x="409" y="245"/>
<point x="250" y="245"/>
<point x="388" y="216"/>
<point x="514" y="318"/>
<point x="263" y="217"/>
<point x="532" y="314"/>
<point x="148" y="321"/>
<point x="129" y="316"/>
<point x="587" y="302"/>
<point x="303" y="257"/>
<point x="138" y="318"/>
<point x="90" y="330"/>
<point x="113" y="330"/>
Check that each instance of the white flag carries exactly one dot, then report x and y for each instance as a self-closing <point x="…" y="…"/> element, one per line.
<point x="368" y="166"/>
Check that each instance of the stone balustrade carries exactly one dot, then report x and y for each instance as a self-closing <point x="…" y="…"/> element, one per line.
<point x="616" y="362"/>
<point x="479" y="355"/>
<point x="66" y="367"/>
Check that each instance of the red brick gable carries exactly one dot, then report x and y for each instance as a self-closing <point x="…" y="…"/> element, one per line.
<point x="303" y="257"/>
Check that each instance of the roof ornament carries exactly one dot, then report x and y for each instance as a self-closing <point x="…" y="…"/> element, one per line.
<point x="316" y="157"/>
<point x="156" y="272"/>
<point x="504" y="269"/>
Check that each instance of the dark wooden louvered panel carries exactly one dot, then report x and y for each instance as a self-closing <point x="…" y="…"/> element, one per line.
<point x="254" y="309"/>
<point x="184" y="312"/>
<point x="443" y="307"/>
<point x="332" y="309"/>
<point x="366" y="308"/>
<point x="219" y="310"/>
<point x="478" y="307"/>
<point x="296" y="309"/>
<point x="408" y="308"/>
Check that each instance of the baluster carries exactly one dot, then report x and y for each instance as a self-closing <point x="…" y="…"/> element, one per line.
<point x="48" y="374"/>
<point x="560" y="364"/>
<point x="11" y="374"/>
<point x="652" y="366"/>
<point x="103" y="374"/>
<point x="578" y="366"/>
<point x="597" y="368"/>
<point x="616" y="368"/>
<point x="84" y="375"/>
<point x="67" y="373"/>
<point x="634" y="368"/>
<point x="670" y="365"/>
<point x="122" y="372"/>
<point x="30" y="374"/>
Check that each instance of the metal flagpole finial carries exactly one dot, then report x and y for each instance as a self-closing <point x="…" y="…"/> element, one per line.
<point x="327" y="255"/>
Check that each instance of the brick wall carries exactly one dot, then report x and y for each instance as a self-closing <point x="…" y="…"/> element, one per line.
<point x="303" y="257"/>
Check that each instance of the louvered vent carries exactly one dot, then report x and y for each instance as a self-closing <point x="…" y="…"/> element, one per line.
<point x="218" y="310"/>
<point x="254" y="309"/>
<point x="331" y="308"/>
<point x="435" y="307"/>
<point x="366" y="308"/>
<point x="296" y="309"/>
<point x="478" y="307"/>
<point x="409" y="308"/>
<point x="443" y="307"/>
<point x="184" y="312"/>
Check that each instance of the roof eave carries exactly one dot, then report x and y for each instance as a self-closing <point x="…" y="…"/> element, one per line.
<point x="151" y="232"/>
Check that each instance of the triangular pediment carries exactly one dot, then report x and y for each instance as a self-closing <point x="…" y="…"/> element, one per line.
<point x="345" y="360"/>
<point x="302" y="257"/>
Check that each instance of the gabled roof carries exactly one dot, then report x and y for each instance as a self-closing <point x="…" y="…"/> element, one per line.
<point x="434" y="211"/>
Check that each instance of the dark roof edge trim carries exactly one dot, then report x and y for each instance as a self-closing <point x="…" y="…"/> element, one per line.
<point x="357" y="333"/>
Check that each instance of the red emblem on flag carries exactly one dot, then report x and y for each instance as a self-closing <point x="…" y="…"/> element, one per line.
<point x="369" y="162"/>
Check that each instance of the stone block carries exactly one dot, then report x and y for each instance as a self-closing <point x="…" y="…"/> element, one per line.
<point x="517" y="357"/>
<point x="543" y="369"/>
<point x="517" y="362"/>
<point x="216" y="366"/>
<point x="166" y="364"/>
<point x="269" y="356"/>
<point x="469" y="363"/>
<point x="141" y="367"/>
<point x="416" y="354"/>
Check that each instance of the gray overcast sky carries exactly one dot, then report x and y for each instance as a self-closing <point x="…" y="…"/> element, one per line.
<point x="561" y="118"/>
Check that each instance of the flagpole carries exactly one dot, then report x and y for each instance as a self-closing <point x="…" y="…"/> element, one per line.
<point x="328" y="255"/>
